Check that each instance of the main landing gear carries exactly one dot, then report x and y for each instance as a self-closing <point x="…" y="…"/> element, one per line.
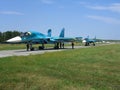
<point x="59" y="45"/>
<point x="88" y="43"/>
<point x="29" y="47"/>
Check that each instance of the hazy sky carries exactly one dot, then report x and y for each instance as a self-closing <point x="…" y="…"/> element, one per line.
<point x="100" y="18"/>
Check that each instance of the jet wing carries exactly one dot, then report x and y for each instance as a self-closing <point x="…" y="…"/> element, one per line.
<point x="65" y="39"/>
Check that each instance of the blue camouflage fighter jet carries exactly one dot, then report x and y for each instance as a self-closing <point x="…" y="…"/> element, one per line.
<point x="88" y="41"/>
<point x="33" y="37"/>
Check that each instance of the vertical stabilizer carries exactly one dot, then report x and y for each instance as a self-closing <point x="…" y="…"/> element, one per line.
<point x="95" y="38"/>
<point x="88" y="36"/>
<point x="62" y="33"/>
<point x="49" y="32"/>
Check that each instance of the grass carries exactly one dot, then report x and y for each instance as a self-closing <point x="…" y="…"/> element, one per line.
<point x="96" y="68"/>
<point x="20" y="46"/>
<point x="12" y="46"/>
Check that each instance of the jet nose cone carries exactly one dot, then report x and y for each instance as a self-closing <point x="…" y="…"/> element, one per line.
<point x="15" y="39"/>
<point x="84" y="41"/>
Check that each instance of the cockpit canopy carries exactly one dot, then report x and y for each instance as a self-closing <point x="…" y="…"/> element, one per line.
<point x="25" y="34"/>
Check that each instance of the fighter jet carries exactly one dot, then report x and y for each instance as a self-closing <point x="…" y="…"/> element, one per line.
<point x="88" y="41"/>
<point x="33" y="37"/>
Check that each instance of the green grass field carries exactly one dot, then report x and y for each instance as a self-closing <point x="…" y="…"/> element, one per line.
<point x="20" y="46"/>
<point x="95" y="68"/>
<point x="12" y="46"/>
<point x="23" y="46"/>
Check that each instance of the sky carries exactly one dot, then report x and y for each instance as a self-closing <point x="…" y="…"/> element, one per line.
<point x="80" y="18"/>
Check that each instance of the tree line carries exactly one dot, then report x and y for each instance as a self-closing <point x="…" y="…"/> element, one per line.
<point x="8" y="34"/>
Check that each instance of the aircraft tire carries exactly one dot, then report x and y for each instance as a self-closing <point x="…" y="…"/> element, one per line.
<point x="32" y="49"/>
<point x="41" y="48"/>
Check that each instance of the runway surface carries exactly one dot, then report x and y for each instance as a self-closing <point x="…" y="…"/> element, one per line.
<point x="23" y="52"/>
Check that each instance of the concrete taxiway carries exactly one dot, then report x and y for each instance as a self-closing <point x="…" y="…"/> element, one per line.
<point x="23" y="52"/>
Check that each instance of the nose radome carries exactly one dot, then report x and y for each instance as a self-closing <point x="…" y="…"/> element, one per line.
<point x="84" y="41"/>
<point x="15" y="39"/>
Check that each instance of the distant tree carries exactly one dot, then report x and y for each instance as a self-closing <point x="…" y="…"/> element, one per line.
<point x="8" y="34"/>
<point x="15" y="33"/>
<point x="0" y="36"/>
<point x="3" y="36"/>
